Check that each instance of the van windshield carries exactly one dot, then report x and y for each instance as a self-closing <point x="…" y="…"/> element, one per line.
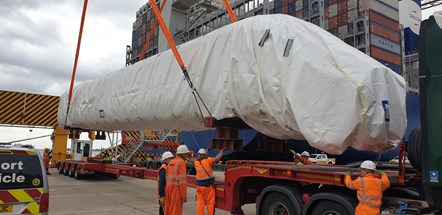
<point x="19" y="171"/>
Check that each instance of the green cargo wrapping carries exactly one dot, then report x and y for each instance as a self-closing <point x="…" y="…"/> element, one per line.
<point x="431" y="106"/>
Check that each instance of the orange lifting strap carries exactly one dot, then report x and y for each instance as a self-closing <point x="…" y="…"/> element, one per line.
<point x="229" y="11"/>
<point x="151" y="33"/>
<point x="83" y="15"/>
<point x="167" y="34"/>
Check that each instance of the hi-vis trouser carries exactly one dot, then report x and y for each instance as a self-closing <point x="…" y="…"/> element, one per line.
<point x="176" y="186"/>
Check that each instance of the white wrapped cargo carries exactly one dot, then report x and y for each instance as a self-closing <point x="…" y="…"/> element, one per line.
<point x="324" y="91"/>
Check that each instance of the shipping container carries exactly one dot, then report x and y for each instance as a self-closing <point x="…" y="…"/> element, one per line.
<point x="333" y="31"/>
<point x="384" y="21"/>
<point x="394" y="3"/>
<point x="386" y="44"/>
<point x="364" y="4"/>
<point x="285" y="9"/>
<point x="352" y="15"/>
<point x="299" y="14"/>
<point x="306" y="13"/>
<point x="332" y="10"/>
<point x="389" y="57"/>
<point x="316" y="21"/>
<point x="292" y="8"/>
<point x="350" y="41"/>
<point x="385" y="32"/>
<point x="342" y="19"/>
<point x="351" y="28"/>
<point x="326" y="24"/>
<point x="298" y="5"/>
<point x="333" y="22"/>
<point x="385" y="10"/>
<point x="342" y="7"/>
<point x="342" y="31"/>
<point x="326" y="13"/>
<point x="352" y="4"/>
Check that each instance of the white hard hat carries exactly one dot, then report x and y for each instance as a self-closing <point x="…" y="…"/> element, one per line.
<point x="166" y="155"/>
<point x="305" y="153"/>
<point x="202" y="152"/>
<point x="182" y="149"/>
<point x="370" y="165"/>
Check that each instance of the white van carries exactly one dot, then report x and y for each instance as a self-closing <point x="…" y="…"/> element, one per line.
<point x="23" y="182"/>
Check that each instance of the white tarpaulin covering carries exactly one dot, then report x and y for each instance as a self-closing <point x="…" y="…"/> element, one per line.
<point x="324" y="91"/>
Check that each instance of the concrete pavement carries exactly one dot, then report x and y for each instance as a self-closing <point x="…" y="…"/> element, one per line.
<point x="97" y="196"/>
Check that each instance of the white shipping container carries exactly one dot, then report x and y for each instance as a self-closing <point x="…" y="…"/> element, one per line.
<point x="363" y="4"/>
<point x="392" y="3"/>
<point x="333" y="10"/>
<point x="298" y="5"/>
<point x="385" y="10"/>
<point x="352" y="4"/>
<point x="352" y="15"/>
<point x="342" y="31"/>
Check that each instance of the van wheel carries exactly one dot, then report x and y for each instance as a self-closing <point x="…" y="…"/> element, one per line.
<point x="325" y="207"/>
<point x="60" y="168"/>
<point x="77" y="175"/>
<point x="277" y="203"/>
<point x="66" y="170"/>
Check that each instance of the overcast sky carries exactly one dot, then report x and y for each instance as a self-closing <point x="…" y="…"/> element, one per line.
<point x="38" y="40"/>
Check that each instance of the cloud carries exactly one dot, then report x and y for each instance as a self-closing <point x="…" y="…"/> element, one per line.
<point x="39" y="37"/>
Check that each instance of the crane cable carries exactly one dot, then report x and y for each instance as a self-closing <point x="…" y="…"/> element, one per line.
<point x="83" y="16"/>
<point x="177" y="55"/>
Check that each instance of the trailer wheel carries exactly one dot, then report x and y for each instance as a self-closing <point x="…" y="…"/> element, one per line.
<point x="60" y="168"/>
<point x="414" y="148"/>
<point x="66" y="171"/>
<point x="277" y="203"/>
<point x="325" y="207"/>
<point x="71" y="172"/>
<point x="77" y="175"/>
<point x="112" y="176"/>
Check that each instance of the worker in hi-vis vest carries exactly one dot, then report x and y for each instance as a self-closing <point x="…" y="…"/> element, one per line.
<point x="165" y="158"/>
<point x="369" y="189"/>
<point x="205" y="191"/>
<point x="176" y="182"/>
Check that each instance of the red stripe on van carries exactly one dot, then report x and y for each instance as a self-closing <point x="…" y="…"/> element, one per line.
<point x="33" y="193"/>
<point x="6" y="197"/>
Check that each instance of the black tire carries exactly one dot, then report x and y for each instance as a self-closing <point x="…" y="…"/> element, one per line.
<point x="326" y="207"/>
<point x="112" y="176"/>
<point x="330" y="163"/>
<point x="66" y="171"/>
<point x="60" y="168"/>
<point x="77" y="175"/>
<point x="71" y="172"/>
<point x="414" y="148"/>
<point x="277" y="203"/>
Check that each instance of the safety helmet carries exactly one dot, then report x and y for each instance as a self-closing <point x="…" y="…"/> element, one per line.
<point x="202" y="152"/>
<point x="166" y="155"/>
<point x="46" y="149"/>
<point x="369" y="165"/>
<point x="305" y="153"/>
<point x="182" y="149"/>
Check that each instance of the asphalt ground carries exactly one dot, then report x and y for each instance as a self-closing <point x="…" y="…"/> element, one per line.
<point x="98" y="196"/>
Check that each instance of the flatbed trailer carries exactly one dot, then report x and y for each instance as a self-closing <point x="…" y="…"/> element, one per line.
<point x="275" y="187"/>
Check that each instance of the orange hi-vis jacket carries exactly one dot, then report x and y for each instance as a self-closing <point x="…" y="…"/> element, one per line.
<point x="369" y="190"/>
<point x="163" y="167"/>
<point x="46" y="158"/>
<point x="205" y="192"/>
<point x="203" y="171"/>
<point x="176" y="186"/>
